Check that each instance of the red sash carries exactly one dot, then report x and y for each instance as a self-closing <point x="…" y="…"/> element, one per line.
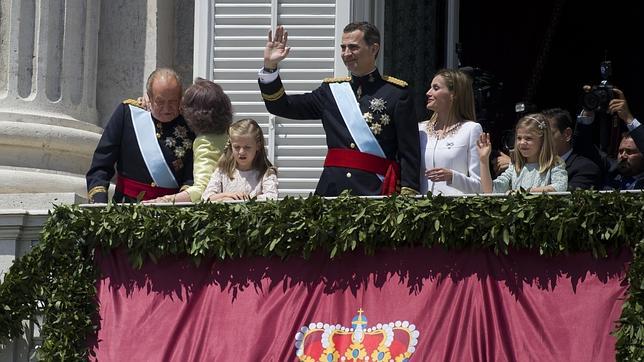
<point x="131" y="188"/>
<point x="343" y="157"/>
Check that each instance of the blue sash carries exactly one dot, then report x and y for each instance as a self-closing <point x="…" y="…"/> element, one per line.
<point x="358" y="128"/>
<point x="150" y="149"/>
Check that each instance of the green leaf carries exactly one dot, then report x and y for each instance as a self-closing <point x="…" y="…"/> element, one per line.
<point x="58" y="277"/>
<point x="272" y="244"/>
<point x="506" y="236"/>
<point x="400" y="218"/>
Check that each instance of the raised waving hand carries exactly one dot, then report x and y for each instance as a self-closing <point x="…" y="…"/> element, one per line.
<point x="276" y="49"/>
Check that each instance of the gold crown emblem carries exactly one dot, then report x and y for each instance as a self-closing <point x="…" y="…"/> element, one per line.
<point x="394" y="341"/>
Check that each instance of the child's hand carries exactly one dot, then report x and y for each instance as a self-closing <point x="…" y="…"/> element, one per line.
<point x="238" y="196"/>
<point x="229" y="196"/>
<point x="484" y="147"/>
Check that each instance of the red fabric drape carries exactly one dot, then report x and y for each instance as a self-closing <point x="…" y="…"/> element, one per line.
<point x="464" y="305"/>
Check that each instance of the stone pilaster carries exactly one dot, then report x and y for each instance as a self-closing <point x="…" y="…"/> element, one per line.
<point x="48" y="72"/>
<point x="48" y="61"/>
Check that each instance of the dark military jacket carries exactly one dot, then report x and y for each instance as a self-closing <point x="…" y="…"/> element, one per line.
<point x="388" y="109"/>
<point x="119" y="147"/>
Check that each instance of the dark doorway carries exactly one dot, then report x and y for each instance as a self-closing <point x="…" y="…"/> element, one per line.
<point x="414" y="37"/>
<point x="545" y="51"/>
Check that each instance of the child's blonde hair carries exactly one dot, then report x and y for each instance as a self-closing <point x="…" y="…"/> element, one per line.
<point x="245" y="127"/>
<point x="537" y="124"/>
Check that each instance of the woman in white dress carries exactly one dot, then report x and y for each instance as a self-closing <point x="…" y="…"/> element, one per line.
<point x="449" y="159"/>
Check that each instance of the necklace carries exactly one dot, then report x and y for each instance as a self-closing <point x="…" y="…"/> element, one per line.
<point x="433" y="132"/>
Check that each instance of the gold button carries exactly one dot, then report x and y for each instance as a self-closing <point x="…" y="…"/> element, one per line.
<point x="153" y="184"/>
<point x="352" y="145"/>
<point x="348" y="174"/>
<point x="158" y="135"/>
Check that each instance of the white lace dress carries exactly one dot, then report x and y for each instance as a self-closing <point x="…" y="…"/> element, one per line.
<point x="457" y="152"/>
<point x="248" y="182"/>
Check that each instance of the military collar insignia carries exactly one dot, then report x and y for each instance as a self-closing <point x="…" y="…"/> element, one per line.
<point x="370" y="78"/>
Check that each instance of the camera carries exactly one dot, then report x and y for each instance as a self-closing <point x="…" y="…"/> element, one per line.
<point x="600" y="95"/>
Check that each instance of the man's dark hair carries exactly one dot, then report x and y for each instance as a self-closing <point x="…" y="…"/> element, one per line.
<point x="561" y="118"/>
<point x="371" y="33"/>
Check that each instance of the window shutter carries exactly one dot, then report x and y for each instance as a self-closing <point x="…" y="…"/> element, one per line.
<point x="296" y="147"/>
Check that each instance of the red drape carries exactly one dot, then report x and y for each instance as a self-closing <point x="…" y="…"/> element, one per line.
<point x="449" y="305"/>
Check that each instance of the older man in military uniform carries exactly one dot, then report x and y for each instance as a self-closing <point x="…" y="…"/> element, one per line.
<point x="152" y="151"/>
<point x="369" y="119"/>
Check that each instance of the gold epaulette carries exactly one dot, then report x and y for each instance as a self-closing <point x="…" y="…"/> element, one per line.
<point x="396" y="81"/>
<point x="133" y="102"/>
<point x="336" y="79"/>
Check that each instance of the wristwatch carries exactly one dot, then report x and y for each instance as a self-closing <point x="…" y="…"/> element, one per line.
<point x="269" y="70"/>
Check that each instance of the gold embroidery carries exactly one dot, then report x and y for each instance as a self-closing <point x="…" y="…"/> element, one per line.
<point x="275" y="96"/>
<point x="95" y="190"/>
<point x="336" y="79"/>
<point x="133" y="102"/>
<point x="396" y="81"/>
<point x="408" y="191"/>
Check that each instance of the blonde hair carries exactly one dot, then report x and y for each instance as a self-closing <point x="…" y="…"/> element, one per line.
<point x="245" y="127"/>
<point x="538" y="125"/>
<point x="460" y="84"/>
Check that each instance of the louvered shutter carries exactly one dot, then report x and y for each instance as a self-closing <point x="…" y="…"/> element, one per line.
<point x="240" y="31"/>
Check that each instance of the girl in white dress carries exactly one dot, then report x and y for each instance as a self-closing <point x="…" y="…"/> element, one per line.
<point x="449" y="161"/>
<point x="243" y="171"/>
<point x="536" y="168"/>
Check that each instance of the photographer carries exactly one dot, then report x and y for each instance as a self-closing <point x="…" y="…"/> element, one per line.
<point x="627" y="171"/>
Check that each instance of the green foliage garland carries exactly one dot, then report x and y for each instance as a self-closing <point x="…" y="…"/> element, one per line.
<point x="56" y="279"/>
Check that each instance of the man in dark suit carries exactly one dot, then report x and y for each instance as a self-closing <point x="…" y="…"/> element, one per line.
<point x="627" y="171"/>
<point x="151" y="151"/>
<point x="372" y="147"/>
<point x="582" y="172"/>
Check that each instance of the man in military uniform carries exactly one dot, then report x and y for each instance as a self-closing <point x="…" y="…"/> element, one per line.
<point x="152" y="151"/>
<point x="373" y="147"/>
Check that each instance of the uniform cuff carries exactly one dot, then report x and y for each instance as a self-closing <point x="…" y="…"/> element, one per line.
<point x="408" y="191"/>
<point x="97" y="194"/>
<point x="634" y="124"/>
<point x="266" y="77"/>
<point x="586" y="120"/>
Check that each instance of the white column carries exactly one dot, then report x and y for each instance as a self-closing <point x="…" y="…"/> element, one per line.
<point x="48" y="68"/>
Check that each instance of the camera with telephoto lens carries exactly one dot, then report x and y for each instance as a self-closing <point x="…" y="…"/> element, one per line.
<point x="600" y="95"/>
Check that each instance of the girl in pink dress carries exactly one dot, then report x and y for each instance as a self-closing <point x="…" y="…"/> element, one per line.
<point x="243" y="171"/>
